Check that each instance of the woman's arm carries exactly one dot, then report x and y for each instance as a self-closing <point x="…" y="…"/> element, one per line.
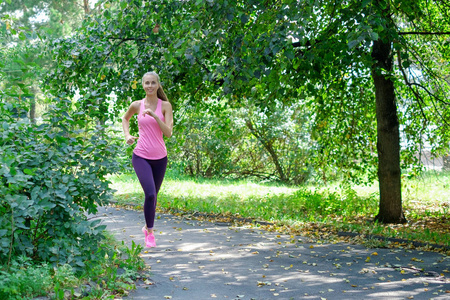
<point x="167" y="126"/>
<point x="133" y="109"/>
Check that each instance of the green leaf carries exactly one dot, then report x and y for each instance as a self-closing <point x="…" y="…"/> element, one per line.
<point x="244" y="19"/>
<point x="373" y="36"/>
<point x="22" y="36"/>
<point x="289" y="54"/>
<point x="28" y="172"/>
<point x="353" y="44"/>
<point x="406" y="64"/>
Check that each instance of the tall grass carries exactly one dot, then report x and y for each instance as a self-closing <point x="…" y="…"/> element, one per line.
<point x="339" y="207"/>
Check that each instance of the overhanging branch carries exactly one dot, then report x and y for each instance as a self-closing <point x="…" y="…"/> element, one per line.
<point x="423" y="33"/>
<point x="417" y="94"/>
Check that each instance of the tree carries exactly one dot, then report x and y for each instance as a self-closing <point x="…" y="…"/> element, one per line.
<point x="42" y="21"/>
<point x="56" y="17"/>
<point x="335" y="54"/>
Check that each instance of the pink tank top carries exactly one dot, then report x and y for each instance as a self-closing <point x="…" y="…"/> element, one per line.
<point x="150" y="144"/>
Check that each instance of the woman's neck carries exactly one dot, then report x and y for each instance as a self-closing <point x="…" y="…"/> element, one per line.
<point x="151" y="98"/>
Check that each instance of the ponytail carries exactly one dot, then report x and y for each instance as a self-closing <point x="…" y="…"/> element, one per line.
<point x="161" y="95"/>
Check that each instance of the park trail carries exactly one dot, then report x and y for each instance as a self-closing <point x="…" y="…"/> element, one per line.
<point x="196" y="260"/>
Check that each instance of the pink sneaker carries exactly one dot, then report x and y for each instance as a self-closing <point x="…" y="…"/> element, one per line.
<point x="150" y="240"/>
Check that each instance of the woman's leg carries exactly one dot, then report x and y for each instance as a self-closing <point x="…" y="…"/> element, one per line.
<point x="150" y="174"/>
<point x="159" y="170"/>
<point x="144" y="173"/>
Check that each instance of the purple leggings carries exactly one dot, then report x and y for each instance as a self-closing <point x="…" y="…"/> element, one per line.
<point x="150" y="174"/>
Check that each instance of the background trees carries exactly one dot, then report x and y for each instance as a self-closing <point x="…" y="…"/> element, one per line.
<point x="354" y="64"/>
<point x="32" y="24"/>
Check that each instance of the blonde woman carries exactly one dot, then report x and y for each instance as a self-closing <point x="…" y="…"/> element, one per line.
<point x="155" y="119"/>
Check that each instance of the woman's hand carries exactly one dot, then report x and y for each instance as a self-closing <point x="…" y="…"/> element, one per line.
<point x="130" y="139"/>
<point x="149" y="112"/>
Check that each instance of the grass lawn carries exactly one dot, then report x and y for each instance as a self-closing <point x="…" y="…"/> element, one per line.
<point x="323" y="213"/>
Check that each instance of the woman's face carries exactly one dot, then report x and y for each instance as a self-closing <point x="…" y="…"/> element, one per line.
<point x="150" y="84"/>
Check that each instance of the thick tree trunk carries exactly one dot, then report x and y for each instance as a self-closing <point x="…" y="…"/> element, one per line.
<point x="388" y="144"/>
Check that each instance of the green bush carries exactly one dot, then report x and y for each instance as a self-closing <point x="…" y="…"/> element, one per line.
<point x="24" y="280"/>
<point x="52" y="175"/>
<point x="113" y="271"/>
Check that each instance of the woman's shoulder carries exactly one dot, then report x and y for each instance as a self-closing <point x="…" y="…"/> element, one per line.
<point x="166" y="104"/>
<point x="136" y="104"/>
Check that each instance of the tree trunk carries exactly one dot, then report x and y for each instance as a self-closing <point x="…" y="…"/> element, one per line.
<point x="86" y="7"/>
<point x="32" y="115"/>
<point x="269" y="147"/>
<point x="388" y="143"/>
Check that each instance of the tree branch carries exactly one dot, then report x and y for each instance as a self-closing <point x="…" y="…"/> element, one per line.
<point x="405" y="77"/>
<point x="416" y="93"/>
<point x="127" y="39"/>
<point x="423" y="33"/>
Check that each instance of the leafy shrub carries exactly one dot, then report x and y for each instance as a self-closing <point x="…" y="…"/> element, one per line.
<point x="24" y="280"/>
<point x="52" y="175"/>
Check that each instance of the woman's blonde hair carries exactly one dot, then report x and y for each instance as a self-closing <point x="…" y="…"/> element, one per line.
<point x="160" y="92"/>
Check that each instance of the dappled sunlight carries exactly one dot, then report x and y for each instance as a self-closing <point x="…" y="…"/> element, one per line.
<point x="193" y="247"/>
<point x="264" y="265"/>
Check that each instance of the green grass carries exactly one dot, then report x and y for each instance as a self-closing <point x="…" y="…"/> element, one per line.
<point x="316" y="211"/>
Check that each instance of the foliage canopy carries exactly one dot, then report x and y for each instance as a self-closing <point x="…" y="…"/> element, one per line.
<point x="260" y="53"/>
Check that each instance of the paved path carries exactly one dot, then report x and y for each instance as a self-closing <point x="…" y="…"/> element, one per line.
<point x="198" y="260"/>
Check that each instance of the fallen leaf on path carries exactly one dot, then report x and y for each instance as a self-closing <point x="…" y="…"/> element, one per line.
<point x="148" y="282"/>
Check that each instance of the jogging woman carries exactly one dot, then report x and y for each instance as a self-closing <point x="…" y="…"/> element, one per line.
<point x="155" y="119"/>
